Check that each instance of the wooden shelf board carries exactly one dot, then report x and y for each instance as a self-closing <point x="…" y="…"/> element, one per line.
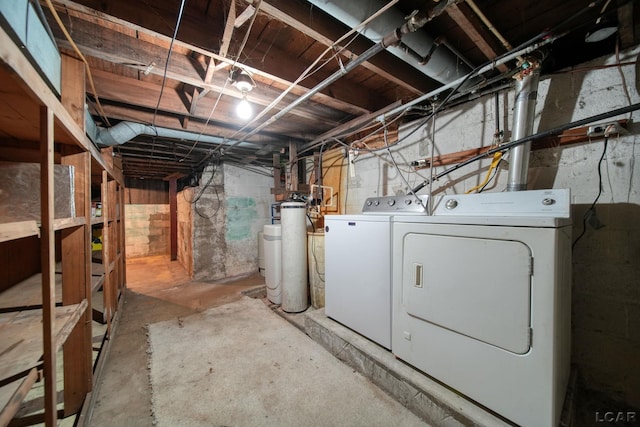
<point x="62" y="223"/>
<point x="28" y="293"/>
<point x="97" y="220"/>
<point x="21" y="336"/>
<point x="18" y="230"/>
<point x="13" y="394"/>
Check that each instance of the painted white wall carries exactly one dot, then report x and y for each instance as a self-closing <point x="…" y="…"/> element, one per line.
<point x="606" y="289"/>
<point x="248" y="202"/>
<point x="562" y="98"/>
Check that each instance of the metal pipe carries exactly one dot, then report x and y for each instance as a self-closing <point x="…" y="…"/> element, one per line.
<point x="526" y="94"/>
<point x="412" y="24"/>
<point x="443" y="65"/>
<point x="484" y="69"/>
<point x="539" y="135"/>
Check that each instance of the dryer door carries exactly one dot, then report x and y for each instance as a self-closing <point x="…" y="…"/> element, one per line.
<point x="476" y="287"/>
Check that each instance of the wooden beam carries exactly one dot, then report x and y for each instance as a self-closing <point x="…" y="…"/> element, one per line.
<point x="48" y="253"/>
<point x="228" y="29"/>
<point x="299" y="17"/>
<point x="73" y="89"/>
<point x="473" y="33"/>
<point x="106" y="44"/>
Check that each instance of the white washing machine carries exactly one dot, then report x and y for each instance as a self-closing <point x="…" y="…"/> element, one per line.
<point x="358" y="265"/>
<point x="482" y="299"/>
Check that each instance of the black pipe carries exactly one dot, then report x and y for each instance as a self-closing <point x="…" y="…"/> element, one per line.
<point x="529" y="138"/>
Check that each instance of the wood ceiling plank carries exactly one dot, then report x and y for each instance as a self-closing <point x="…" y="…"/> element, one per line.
<point x="228" y="29"/>
<point x="299" y="17"/>
<point x="115" y="47"/>
<point x="141" y="57"/>
<point x="469" y="27"/>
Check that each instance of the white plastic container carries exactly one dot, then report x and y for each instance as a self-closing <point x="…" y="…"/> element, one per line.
<point x="261" y="253"/>
<point x="295" y="293"/>
<point x="272" y="240"/>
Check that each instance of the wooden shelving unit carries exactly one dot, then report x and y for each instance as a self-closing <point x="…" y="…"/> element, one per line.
<point x="48" y="277"/>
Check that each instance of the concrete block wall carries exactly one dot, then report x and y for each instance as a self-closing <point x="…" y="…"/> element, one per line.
<point x="248" y="199"/>
<point x="606" y="288"/>
<point x="223" y="224"/>
<point x="208" y="238"/>
<point x="147" y="230"/>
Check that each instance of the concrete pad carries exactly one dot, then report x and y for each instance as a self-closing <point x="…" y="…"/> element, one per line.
<point x="425" y="397"/>
<point x="242" y="364"/>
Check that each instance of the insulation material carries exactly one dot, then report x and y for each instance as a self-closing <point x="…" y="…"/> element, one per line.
<point x="20" y="192"/>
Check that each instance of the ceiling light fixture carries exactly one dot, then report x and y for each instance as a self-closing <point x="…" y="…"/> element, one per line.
<point x="244" y="109"/>
<point x="244" y="83"/>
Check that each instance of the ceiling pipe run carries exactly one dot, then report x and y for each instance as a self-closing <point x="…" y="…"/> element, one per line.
<point x="418" y="48"/>
<point x="412" y="24"/>
<point x="526" y="93"/>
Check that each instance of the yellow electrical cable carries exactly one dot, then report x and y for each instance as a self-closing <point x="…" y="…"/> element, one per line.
<point x="86" y="64"/>
<point x="494" y="164"/>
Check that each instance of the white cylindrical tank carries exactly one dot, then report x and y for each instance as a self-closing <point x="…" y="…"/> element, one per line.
<point x="272" y="238"/>
<point x="315" y="249"/>
<point x="295" y="293"/>
<point x="261" y="253"/>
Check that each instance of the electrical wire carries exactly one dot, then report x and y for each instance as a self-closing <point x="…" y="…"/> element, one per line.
<point x="166" y="64"/>
<point x="305" y="74"/>
<point x="549" y="132"/>
<point x="591" y="211"/>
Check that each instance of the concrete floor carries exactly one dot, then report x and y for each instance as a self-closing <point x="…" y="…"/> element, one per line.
<point x="158" y="290"/>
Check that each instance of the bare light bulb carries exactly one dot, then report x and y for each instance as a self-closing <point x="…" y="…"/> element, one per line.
<point x="244" y="110"/>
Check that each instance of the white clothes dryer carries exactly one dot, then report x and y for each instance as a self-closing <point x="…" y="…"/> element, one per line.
<point x="482" y="299"/>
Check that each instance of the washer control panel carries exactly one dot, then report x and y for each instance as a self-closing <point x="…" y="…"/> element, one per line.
<point x="408" y="204"/>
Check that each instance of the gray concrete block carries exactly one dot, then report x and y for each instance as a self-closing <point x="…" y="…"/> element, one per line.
<point x="425" y="397"/>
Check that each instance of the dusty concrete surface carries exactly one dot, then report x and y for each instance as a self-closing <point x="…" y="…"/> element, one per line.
<point x="158" y="290"/>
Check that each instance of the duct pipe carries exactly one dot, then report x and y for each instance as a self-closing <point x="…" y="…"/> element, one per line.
<point x="523" y="116"/>
<point x="442" y="66"/>
<point x="126" y="131"/>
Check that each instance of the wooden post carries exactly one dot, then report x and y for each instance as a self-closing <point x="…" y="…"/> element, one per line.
<point x="173" y="214"/>
<point x="76" y="287"/>
<point x="73" y="89"/>
<point x="48" y="265"/>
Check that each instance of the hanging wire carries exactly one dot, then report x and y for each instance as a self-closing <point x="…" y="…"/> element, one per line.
<point x="226" y="83"/>
<point x="166" y="64"/>
<point x="309" y="69"/>
<point x="591" y="211"/>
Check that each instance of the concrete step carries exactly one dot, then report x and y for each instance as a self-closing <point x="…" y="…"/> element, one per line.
<point x="430" y="400"/>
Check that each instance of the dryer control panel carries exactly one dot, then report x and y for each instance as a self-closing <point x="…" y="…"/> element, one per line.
<point x="553" y="203"/>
